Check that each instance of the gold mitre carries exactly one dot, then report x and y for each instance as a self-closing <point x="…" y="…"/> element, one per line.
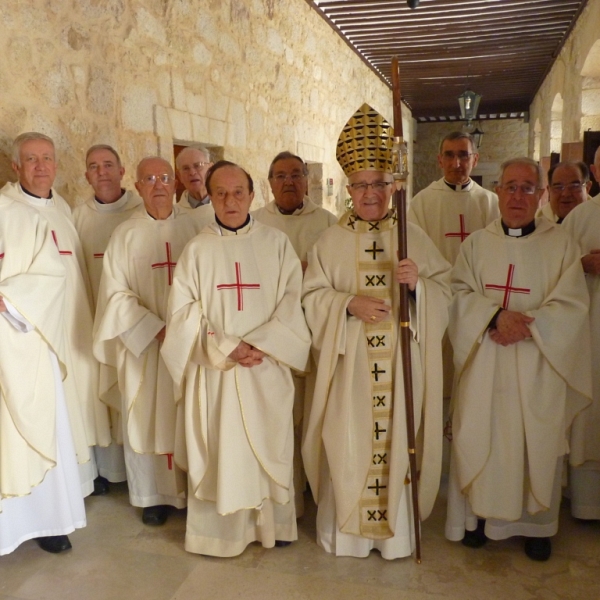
<point x="366" y="143"/>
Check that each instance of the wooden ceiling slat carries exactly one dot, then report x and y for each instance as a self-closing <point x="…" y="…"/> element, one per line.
<point x="503" y="49"/>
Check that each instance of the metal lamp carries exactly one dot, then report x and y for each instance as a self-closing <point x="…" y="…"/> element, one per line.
<point x="469" y="104"/>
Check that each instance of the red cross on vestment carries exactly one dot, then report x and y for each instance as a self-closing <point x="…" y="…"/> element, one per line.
<point x="463" y="234"/>
<point x="508" y="288"/>
<point x="99" y="255"/>
<point x="2" y="255"/>
<point x="61" y="252"/>
<point x="169" y="462"/>
<point x="168" y="264"/>
<point x="239" y="286"/>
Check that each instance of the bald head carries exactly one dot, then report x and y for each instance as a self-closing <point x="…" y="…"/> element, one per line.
<point x="595" y="168"/>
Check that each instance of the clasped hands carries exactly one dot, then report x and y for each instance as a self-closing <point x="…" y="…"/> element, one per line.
<point x="511" y="327"/>
<point x="246" y="355"/>
<point x="374" y="310"/>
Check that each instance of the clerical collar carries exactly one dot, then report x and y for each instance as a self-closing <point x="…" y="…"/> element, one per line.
<point x="287" y="213"/>
<point x="102" y="202"/>
<point x="529" y="228"/>
<point x="559" y="220"/>
<point x="457" y="187"/>
<point x="196" y="203"/>
<point x="34" y="195"/>
<point x="233" y="229"/>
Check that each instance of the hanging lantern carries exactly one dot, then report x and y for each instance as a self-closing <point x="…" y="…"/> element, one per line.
<point x="477" y="136"/>
<point x="469" y="104"/>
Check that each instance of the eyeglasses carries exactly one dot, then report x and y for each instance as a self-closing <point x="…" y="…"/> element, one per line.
<point x="462" y="156"/>
<point x="194" y="167"/>
<point x="165" y="179"/>
<point x="282" y="177"/>
<point x="574" y="187"/>
<point x="525" y="188"/>
<point x="378" y="186"/>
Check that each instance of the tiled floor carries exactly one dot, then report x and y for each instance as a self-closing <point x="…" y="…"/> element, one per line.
<point x="116" y="557"/>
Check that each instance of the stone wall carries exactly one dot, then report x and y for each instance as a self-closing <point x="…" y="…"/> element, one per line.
<point x="574" y="79"/>
<point x="250" y="77"/>
<point x="503" y="139"/>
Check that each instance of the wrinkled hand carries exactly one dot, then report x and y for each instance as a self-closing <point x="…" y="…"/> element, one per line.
<point x="407" y="272"/>
<point x="2" y="305"/>
<point x="367" y="309"/>
<point x="591" y="262"/>
<point x="246" y="355"/>
<point x="511" y="327"/>
<point x="160" y="336"/>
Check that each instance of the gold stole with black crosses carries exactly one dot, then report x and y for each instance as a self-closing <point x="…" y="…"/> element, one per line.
<point x="375" y="267"/>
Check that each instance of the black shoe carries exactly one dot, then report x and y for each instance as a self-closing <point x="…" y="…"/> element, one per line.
<point x="476" y="538"/>
<point x="281" y="544"/>
<point x="100" y="486"/>
<point x="54" y="543"/>
<point x="539" y="548"/>
<point x="155" y="515"/>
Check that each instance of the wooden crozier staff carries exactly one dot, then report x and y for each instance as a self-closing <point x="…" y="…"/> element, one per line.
<point x="400" y="176"/>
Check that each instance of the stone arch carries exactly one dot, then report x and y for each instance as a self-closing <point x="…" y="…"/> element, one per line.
<point x="537" y="140"/>
<point x="556" y="118"/>
<point x="590" y="89"/>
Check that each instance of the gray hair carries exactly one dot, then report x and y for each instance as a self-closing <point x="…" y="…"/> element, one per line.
<point x="198" y="147"/>
<point x="282" y="156"/>
<point x="103" y="147"/>
<point x="525" y="161"/>
<point x="27" y="137"/>
<point x="459" y="135"/>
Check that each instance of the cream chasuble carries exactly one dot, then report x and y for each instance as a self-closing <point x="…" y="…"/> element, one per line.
<point x="95" y="223"/>
<point x="547" y="213"/>
<point x="303" y="227"/>
<point x="89" y="416"/>
<point x="139" y="263"/>
<point x="32" y="279"/>
<point x="448" y="216"/>
<point x="238" y="421"/>
<point x="512" y="410"/>
<point x="583" y="223"/>
<point x="356" y="425"/>
<point x="202" y="215"/>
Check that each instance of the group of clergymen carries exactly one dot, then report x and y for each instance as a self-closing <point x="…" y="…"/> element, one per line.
<point x="216" y="359"/>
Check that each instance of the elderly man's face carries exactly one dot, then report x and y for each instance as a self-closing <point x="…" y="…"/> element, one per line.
<point x="104" y="173"/>
<point x="288" y="183"/>
<point x="518" y="195"/>
<point x="156" y="186"/>
<point x="191" y="171"/>
<point x="457" y="160"/>
<point x="37" y="170"/>
<point x="370" y="192"/>
<point x="567" y="190"/>
<point x="230" y="196"/>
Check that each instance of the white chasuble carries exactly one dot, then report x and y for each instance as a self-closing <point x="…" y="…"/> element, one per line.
<point x="583" y="223"/>
<point x="303" y="227"/>
<point x="132" y="302"/>
<point x="449" y="216"/>
<point x="356" y="425"/>
<point x="511" y="407"/>
<point x="238" y="421"/>
<point x="89" y="416"/>
<point x="32" y="280"/>
<point x="95" y="223"/>
<point x="202" y="215"/>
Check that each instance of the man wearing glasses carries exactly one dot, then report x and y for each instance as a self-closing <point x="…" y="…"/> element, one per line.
<point x="192" y="164"/>
<point x="568" y="186"/>
<point x="520" y="331"/>
<point x="354" y="450"/>
<point x="129" y="330"/>
<point x="451" y="208"/>
<point x="583" y="223"/>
